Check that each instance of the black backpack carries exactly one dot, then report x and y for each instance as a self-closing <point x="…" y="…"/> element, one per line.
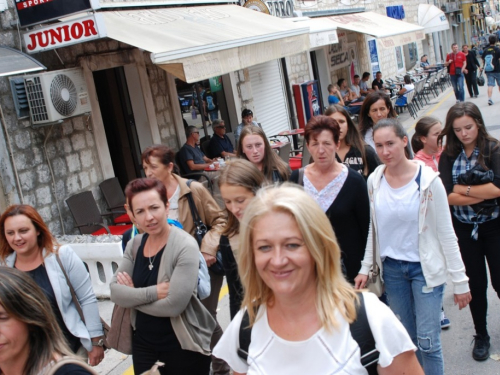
<point x="360" y="331"/>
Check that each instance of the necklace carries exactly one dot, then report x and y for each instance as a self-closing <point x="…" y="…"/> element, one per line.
<point x="151" y="262"/>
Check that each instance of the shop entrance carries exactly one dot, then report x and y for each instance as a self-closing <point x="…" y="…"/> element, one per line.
<point x="191" y="97"/>
<point x="119" y="123"/>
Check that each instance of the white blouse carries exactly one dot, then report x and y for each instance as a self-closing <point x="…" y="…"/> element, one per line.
<point x="324" y="353"/>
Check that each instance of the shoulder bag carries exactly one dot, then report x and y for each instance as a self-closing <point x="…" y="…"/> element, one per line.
<point x="200" y="230"/>
<point x="52" y="369"/>
<point x="120" y="333"/>
<point x="374" y="283"/>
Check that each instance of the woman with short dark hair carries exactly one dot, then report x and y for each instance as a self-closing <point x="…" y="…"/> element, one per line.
<point x="340" y="191"/>
<point x="158" y="280"/>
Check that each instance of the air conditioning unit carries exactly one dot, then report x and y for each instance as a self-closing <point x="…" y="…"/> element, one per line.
<point x="460" y="18"/>
<point x="473" y="9"/>
<point x="56" y="95"/>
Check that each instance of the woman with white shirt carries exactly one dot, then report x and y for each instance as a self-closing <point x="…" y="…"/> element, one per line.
<point x="415" y="243"/>
<point x="402" y="99"/>
<point x="299" y="306"/>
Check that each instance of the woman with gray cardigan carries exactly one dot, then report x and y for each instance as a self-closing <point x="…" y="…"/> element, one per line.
<point x="158" y="280"/>
<point x="27" y="244"/>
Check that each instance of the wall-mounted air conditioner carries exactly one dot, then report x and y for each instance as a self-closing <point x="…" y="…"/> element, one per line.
<point x="55" y="95"/>
<point x="460" y="18"/>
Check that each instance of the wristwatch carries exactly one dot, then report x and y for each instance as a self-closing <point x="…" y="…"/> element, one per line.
<point x="100" y="343"/>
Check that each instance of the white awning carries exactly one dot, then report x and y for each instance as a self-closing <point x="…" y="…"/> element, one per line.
<point x="197" y="43"/>
<point x="14" y="62"/>
<point x="388" y="31"/>
<point x="322" y="32"/>
<point x="432" y="19"/>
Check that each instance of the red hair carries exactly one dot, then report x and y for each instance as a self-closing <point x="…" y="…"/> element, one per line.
<point x="140" y="185"/>
<point x="45" y="239"/>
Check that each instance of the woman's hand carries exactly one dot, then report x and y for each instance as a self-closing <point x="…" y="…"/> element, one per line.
<point x="209" y="259"/>
<point x="162" y="290"/>
<point x="360" y="281"/>
<point x="96" y="355"/>
<point x="462" y="300"/>
<point x="123" y="278"/>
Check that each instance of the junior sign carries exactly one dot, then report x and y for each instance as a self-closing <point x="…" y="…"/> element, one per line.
<point x="65" y="33"/>
<point x="32" y="12"/>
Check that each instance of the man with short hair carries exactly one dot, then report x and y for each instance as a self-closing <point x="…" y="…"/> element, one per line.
<point x="345" y="91"/>
<point x="355" y="86"/>
<point x="363" y="84"/>
<point x="457" y="62"/>
<point x="246" y="119"/>
<point x="491" y="66"/>
<point x="220" y="145"/>
<point x="191" y="158"/>
<point x="378" y="83"/>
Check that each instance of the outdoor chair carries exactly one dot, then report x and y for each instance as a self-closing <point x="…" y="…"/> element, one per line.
<point x="87" y="217"/>
<point x="115" y="199"/>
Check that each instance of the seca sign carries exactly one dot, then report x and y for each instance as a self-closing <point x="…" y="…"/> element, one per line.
<point x="65" y="33"/>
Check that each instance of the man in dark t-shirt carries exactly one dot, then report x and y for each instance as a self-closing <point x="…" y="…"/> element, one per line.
<point x="191" y="158"/>
<point x="220" y="145"/>
<point x="378" y="83"/>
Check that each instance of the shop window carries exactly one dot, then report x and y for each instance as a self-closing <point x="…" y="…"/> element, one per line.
<point x="410" y="52"/>
<point x="399" y="58"/>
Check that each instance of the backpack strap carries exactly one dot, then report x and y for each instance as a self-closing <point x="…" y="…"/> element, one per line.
<point x="417" y="179"/>
<point x="245" y="336"/>
<point x="362" y="334"/>
<point x="301" y="176"/>
<point x="360" y="331"/>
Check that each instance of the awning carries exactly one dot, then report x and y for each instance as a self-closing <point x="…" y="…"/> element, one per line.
<point x="197" y="43"/>
<point x="432" y="19"/>
<point x="14" y="62"/>
<point x="321" y="31"/>
<point x="388" y="31"/>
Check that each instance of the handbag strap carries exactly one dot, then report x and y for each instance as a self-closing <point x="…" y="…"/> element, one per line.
<point x="71" y="289"/>
<point x="374" y="245"/>
<point x="194" y="211"/>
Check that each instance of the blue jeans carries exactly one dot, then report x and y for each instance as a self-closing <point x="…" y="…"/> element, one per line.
<point x="458" y="86"/>
<point x="418" y="308"/>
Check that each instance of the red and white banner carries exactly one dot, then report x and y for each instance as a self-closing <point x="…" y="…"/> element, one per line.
<point x="63" y="34"/>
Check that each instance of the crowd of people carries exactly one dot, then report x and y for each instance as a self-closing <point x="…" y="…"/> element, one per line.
<point x="296" y="247"/>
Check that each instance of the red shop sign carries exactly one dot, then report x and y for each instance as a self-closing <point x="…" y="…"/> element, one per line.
<point x="63" y="34"/>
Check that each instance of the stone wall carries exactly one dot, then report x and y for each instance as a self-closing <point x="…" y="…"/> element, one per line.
<point x="70" y="146"/>
<point x="298" y="68"/>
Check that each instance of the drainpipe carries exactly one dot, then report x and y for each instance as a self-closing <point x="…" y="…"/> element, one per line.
<point x="289" y="95"/>
<point x="9" y="145"/>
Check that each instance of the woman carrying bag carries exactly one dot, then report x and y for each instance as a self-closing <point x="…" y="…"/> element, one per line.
<point x="157" y="280"/>
<point x="414" y="242"/>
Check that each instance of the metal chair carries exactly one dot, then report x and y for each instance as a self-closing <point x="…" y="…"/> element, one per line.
<point x="115" y="199"/>
<point x="87" y="217"/>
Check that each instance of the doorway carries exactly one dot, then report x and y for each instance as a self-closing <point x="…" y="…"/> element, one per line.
<point x="119" y="123"/>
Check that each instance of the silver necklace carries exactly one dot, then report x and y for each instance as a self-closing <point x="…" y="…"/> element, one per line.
<point x="151" y="262"/>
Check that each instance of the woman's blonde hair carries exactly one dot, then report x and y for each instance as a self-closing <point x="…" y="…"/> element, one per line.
<point x="271" y="161"/>
<point x="242" y="173"/>
<point x="24" y="301"/>
<point x="333" y="291"/>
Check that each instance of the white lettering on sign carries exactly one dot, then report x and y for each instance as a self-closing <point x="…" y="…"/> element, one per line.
<point x="64" y="34"/>
<point x="29" y="3"/>
<point x="280" y="8"/>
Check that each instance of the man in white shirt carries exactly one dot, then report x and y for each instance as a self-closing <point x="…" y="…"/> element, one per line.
<point x="355" y="86"/>
<point x="363" y="84"/>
